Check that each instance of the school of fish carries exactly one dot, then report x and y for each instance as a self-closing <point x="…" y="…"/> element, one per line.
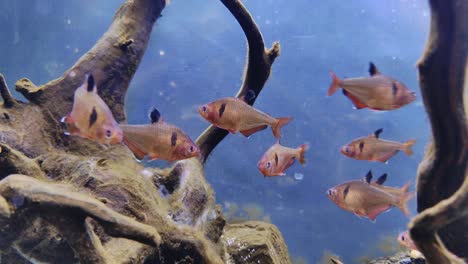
<point x="91" y="118"/>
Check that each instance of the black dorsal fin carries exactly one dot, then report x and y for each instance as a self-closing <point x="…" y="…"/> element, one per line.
<point x="378" y="132"/>
<point x="369" y="176"/>
<point x="249" y="96"/>
<point x="154" y="115"/>
<point x="373" y="69"/>
<point x="381" y="179"/>
<point x="91" y="83"/>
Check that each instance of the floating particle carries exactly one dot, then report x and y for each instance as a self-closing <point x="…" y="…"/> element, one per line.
<point x="172" y="84"/>
<point x="76" y="50"/>
<point x="298" y="176"/>
<point x="162" y="53"/>
<point x="69" y="21"/>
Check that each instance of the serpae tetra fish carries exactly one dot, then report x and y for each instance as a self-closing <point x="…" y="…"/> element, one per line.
<point x="90" y="117"/>
<point x="405" y="240"/>
<point x="372" y="148"/>
<point x="365" y="200"/>
<point x="159" y="140"/>
<point x="381" y="180"/>
<point x="278" y="158"/>
<point x="234" y="114"/>
<point x="378" y="92"/>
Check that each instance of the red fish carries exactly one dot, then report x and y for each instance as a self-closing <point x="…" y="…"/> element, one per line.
<point x="159" y="140"/>
<point x="90" y="117"/>
<point x="379" y="185"/>
<point x="406" y="241"/>
<point x="378" y="92"/>
<point x="372" y="148"/>
<point x="278" y="158"/>
<point x="365" y="200"/>
<point x="234" y="114"/>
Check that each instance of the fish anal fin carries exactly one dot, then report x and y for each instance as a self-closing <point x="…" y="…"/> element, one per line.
<point x="385" y="157"/>
<point x="249" y="132"/>
<point x="357" y="103"/>
<point x="139" y="154"/>
<point x="153" y="157"/>
<point x="374" y="212"/>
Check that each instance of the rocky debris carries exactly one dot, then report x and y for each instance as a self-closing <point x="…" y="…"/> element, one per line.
<point x="255" y="242"/>
<point x="400" y="258"/>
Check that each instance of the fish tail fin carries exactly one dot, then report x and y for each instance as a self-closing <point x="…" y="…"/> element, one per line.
<point x="334" y="85"/>
<point x="280" y="122"/>
<point x="302" y="149"/>
<point x="407" y="147"/>
<point x="405" y="187"/>
<point x="403" y="202"/>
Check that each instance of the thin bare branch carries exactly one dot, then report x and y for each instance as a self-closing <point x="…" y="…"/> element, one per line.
<point x="442" y="71"/>
<point x="8" y="99"/>
<point x="256" y="73"/>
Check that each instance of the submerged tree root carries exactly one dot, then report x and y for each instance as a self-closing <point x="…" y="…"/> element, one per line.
<point x="440" y="230"/>
<point x="82" y="202"/>
<point x="41" y="194"/>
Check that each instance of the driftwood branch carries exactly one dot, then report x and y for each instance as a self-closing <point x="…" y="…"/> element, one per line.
<point x="442" y="73"/>
<point x="424" y="226"/>
<point x="47" y="195"/>
<point x="8" y="99"/>
<point x="113" y="60"/>
<point x="15" y="162"/>
<point x="256" y="73"/>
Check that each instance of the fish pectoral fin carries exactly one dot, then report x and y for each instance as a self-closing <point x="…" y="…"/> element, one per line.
<point x="139" y="154"/>
<point x="72" y="130"/>
<point x="357" y="103"/>
<point x="249" y="132"/>
<point x="372" y="214"/>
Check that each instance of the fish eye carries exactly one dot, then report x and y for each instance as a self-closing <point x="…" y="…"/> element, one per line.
<point x="347" y="150"/>
<point x="268" y="165"/>
<point x="191" y="149"/>
<point x="108" y="133"/>
<point x="329" y="192"/>
<point x="403" y="238"/>
<point x="204" y="109"/>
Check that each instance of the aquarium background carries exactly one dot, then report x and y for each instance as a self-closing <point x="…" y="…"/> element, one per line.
<point x="197" y="54"/>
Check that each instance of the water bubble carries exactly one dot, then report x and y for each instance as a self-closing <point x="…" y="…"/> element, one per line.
<point x="298" y="176"/>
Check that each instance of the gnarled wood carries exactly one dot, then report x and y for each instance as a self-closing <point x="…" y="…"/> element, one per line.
<point x="442" y="73"/>
<point x="8" y="99"/>
<point x="256" y="72"/>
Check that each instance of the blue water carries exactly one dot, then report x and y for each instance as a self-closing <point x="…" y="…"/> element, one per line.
<point x="197" y="54"/>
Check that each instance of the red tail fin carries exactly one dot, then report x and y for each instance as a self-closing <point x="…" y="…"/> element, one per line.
<point x="334" y="85"/>
<point x="402" y="203"/>
<point x="407" y="147"/>
<point x="405" y="187"/>
<point x="279" y="123"/>
<point x="302" y="149"/>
